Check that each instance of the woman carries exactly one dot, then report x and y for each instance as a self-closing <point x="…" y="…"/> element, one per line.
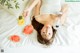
<point x="44" y="18"/>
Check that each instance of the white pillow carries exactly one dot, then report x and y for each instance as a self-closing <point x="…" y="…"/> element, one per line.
<point x="15" y="11"/>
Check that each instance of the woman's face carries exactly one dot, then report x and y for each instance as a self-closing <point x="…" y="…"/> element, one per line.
<point x="47" y="32"/>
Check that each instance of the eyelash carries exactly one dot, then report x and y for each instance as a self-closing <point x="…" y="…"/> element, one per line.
<point x="49" y="33"/>
<point x="43" y="32"/>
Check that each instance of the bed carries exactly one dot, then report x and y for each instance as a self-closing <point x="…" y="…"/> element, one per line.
<point x="67" y="35"/>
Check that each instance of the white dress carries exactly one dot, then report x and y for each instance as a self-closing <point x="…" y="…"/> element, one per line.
<point x="51" y="6"/>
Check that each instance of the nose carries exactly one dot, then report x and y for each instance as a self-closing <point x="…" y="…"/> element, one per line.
<point x="46" y="31"/>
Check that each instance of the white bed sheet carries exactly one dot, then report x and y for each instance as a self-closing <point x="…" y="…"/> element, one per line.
<point x="66" y="35"/>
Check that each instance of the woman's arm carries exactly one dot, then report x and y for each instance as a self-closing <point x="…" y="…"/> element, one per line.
<point x="37" y="8"/>
<point x="28" y="9"/>
<point x="64" y="10"/>
<point x="35" y="2"/>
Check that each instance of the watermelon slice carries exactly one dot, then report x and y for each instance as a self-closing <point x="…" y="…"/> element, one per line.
<point x="28" y="29"/>
<point x="15" y="38"/>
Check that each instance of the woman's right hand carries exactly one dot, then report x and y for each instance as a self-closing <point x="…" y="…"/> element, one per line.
<point x="26" y="12"/>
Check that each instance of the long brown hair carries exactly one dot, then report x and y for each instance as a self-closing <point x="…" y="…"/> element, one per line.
<point x="38" y="26"/>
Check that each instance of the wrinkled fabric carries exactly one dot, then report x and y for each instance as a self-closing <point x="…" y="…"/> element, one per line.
<point x="66" y="35"/>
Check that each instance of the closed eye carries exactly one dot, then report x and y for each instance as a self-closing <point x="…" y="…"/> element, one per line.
<point x="43" y="32"/>
<point x="49" y="33"/>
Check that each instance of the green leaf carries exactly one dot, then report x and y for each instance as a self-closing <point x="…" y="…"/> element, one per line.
<point x="17" y="5"/>
<point x="2" y="2"/>
<point x="15" y="1"/>
<point x="8" y="4"/>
